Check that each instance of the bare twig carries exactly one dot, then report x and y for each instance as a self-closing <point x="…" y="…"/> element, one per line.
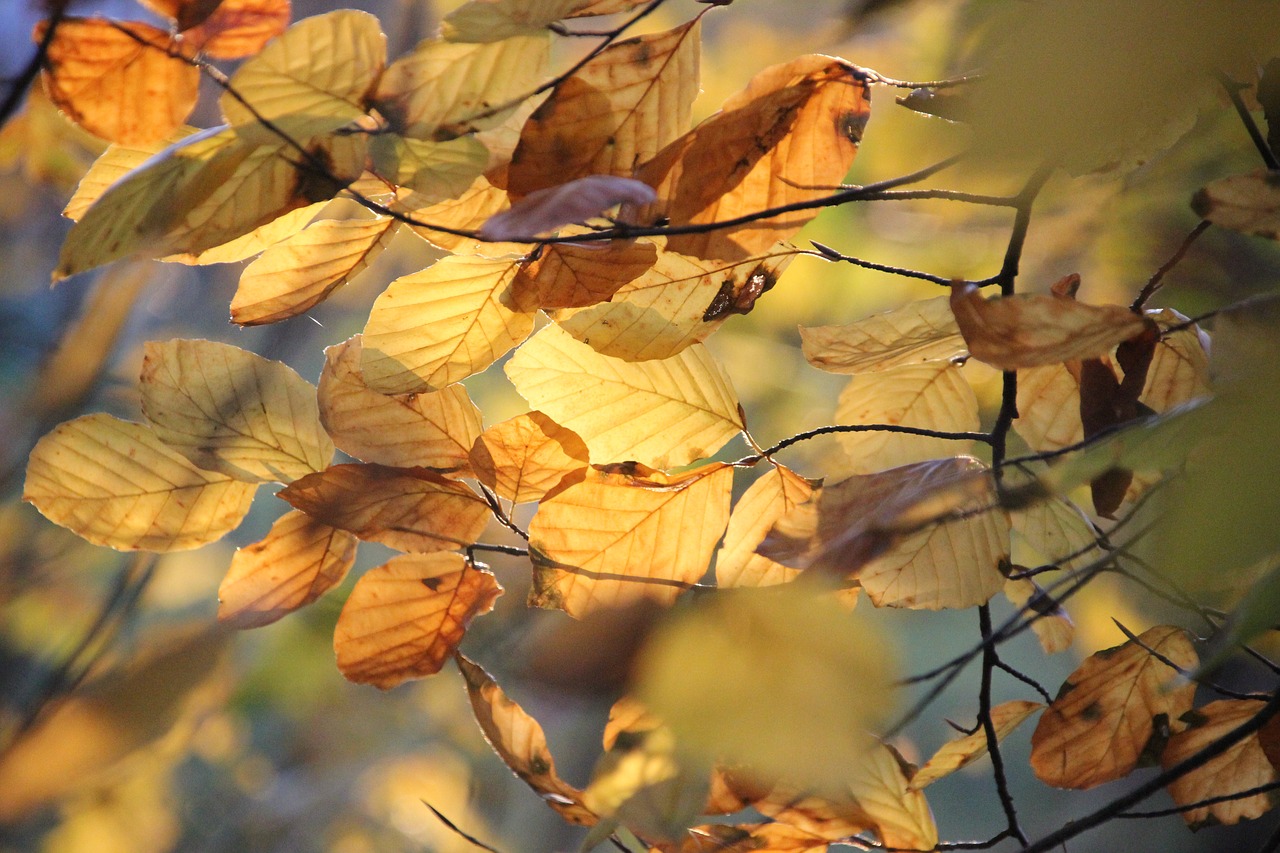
<point x="1157" y="280"/>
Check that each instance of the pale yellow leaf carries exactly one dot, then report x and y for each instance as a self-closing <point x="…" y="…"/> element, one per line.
<point x="405" y="618"/>
<point x="916" y="332"/>
<point x="1053" y="626"/>
<point x="778" y="491"/>
<point x="115" y="483"/>
<point x="467" y="212"/>
<point x="229" y="410"/>
<point x="1048" y="408"/>
<point x="605" y="7"/>
<point x="627" y="532"/>
<point x="435" y="430"/>
<point x="439" y="326"/>
<point x="112" y="165"/>
<point x="255" y="242"/>
<point x="1053" y="532"/>
<point x="494" y="20"/>
<point x="527" y="456"/>
<point x="293" y="565"/>
<point x="967" y="749"/>
<point x="1242" y="767"/>
<point x="663" y="413"/>
<point x="1179" y="370"/>
<point x="427" y="171"/>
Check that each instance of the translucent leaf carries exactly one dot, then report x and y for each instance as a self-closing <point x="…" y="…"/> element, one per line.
<point x="427" y="171"/>
<point x="439" y="326"/>
<point x="435" y="429"/>
<point x="916" y="332"/>
<point x="967" y="749"/>
<point x="494" y="20"/>
<point x="626" y="532"/>
<point x="613" y="114"/>
<point x="185" y="13"/>
<point x="239" y="28"/>
<point x="1179" y="370"/>
<point x="467" y="212"/>
<point x="788" y="136"/>
<point x="1054" y="629"/>
<point x="568" y="275"/>
<point x="118" y="79"/>
<point x="298" y="561"/>
<point x="527" y="456"/>
<point x="518" y="740"/>
<point x="931" y="395"/>
<point x="112" y="165"/>
<point x="1242" y="767"/>
<point x="231" y="411"/>
<point x="115" y="483"/>
<point x="1249" y="203"/>
<point x="300" y="272"/>
<point x="663" y="413"/>
<point x="747" y="838"/>
<point x="410" y="509"/>
<point x="1053" y="532"/>
<point x="605" y="7"/>
<point x="405" y="618"/>
<point x="564" y="204"/>
<point x="254" y="242"/>
<point x="1048" y="408"/>
<point x="1110" y="708"/>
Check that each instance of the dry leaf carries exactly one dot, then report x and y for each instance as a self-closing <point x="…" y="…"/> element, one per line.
<point x="565" y="204"/>
<point x="1048" y="408"/>
<point x="747" y="838"/>
<point x="406" y="617"/>
<point x="467" y="212"/>
<point x="427" y="171"/>
<point x="293" y="565"/>
<point x="1053" y="532"/>
<point x="115" y="483"/>
<point x="967" y="749"/>
<point x="238" y="28"/>
<point x="917" y="332"/>
<point x="770" y="497"/>
<point x="112" y="165"/>
<point x="1240" y="768"/>
<point x="1053" y="626"/>
<point x="1108" y="711"/>
<point x="494" y="20"/>
<point x="527" y="456"/>
<point x="185" y="13"/>
<point x="1179" y="370"/>
<point x="570" y="275"/>
<point x="627" y="532"/>
<point x="1248" y="203"/>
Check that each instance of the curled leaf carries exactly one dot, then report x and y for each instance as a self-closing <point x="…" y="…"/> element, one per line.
<point x="567" y="204"/>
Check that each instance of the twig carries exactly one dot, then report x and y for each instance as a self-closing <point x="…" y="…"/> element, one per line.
<point x="457" y="831"/>
<point x="1232" y="88"/>
<point x="1185" y="673"/>
<point x="839" y="428"/>
<point x="830" y="254"/>
<point x="990" y="660"/>
<point x="18" y="85"/>
<point x="1157" y="280"/>
<point x="1210" y="801"/>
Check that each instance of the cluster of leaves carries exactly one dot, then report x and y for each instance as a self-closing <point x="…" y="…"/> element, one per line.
<point x="466" y="143"/>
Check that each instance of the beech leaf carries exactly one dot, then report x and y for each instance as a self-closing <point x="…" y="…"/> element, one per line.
<point x="1249" y="203"/>
<point x="967" y="749"/>
<point x="1053" y="626"/>
<point x="238" y="28"/>
<point x="917" y="332"/>
<point x="567" y="204"/>
<point x="527" y="456"/>
<point x="1242" y="767"/>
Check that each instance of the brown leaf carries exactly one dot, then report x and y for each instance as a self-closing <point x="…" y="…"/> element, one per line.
<point x="405" y="618"/>
<point x="186" y="13"/>
<point x="570" y="275"/>
<point x="1108" y="711"/>
<point x="527" y="456"/>
<point x="565" y="204"/>
<point x="292" y="566"/>
<point x="239" y="28"/>
<point x="1248" y="203"/>
<point x="747" y="838"/>
<point x="412" y="509"/>
<point x="1240" y="768"/>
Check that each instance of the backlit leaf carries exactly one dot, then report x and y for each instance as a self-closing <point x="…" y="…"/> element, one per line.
<point x="916" y="332"/>
<point x="1048" y="408"/>
<point x="439" y="326"/>
<point x="564" y="204"/>
<point x="1110" y="708"/>
<point x="1249" y="203"/>
<point x="494" y="20"/>
<point x="1053" y="626"/>
<point x="254" y="242"/>
<point x="1179" y="370"/>
<point x="410" y="509"/>
<point x="569" y="275"/>
<point x="605" y="7"/>
<point x="435" y="430"/>
<point x="428" y="171"/>
<point x="1053" y="532"/>
<point x="467" y="212"/>
<point x="112" y="165"/>
<point x="229" y="410"/>
<point x="527" y="456"/>
<point x="185" y="13"/>
<point x="405" y="618"/>
<point x="967" y="749"/>
<point x="239" y="28"/>
<point x="626" y="532"/>
<point x="663" y="413"/>
<point x="773" y="495"/>
<point x="293" y="565"/>
<point x="115" y="483"/>
<point x="1242" y="767"/>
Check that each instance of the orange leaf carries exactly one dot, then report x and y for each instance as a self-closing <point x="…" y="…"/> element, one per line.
<point x="239" y="28"/>
<point x="117" y="79"/>
<point x="967" y="749"/>
<point x="1240" y="768"/>
<point x="412" y="509"/>
<point x="568" y="275"/>
<point x="187" y="13"/>
<point x="292" y="566"/>
<point x="404" y="619"/>
<point x="747" y="838"/>
<point x="527" y="456"/>
<point x="1108" y="710"/>
<point x="1054" y="629"/>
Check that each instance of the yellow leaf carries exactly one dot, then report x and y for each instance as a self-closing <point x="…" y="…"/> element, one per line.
<point x="115" y="483"/>
<point x="931" y="395"/>
<point x="112" y="165"/>
<point x="298" y="561"/>
<point x="747" y="838"/>
<point x="664" y="413"/>
<point x="439" y="326"/>
<point x="410" y="509"/>
<point x="1053" y="629"/>
<point x="769" y="498"/>
<point x="967" y="749"/>
<point x="527" y="456"/>
<point x="1048" y="408"/>
<point x="323" y="66"/>
<point x="567" y="275"/>
<point x="627" y="532"/>
<point x="467" y="212"/>
<point x="605" y="7"/>
<point x="1179" y="370"/>
<point x="1240" y="768"/>
<point x="435" y="430"/>
<point x="231" y="411"/>
<point x="520" y="743"/>
<point x="1109" y="709"/>
<point x="577" y="202"/>
<point x="405" y="618"/>
<point x="613" y="114"/>
<point x="1248" y="203"/>
<point x="301" y="271"/>
<point x="118" y="79"/>
<point x="1052" y="532"/>
<point x="254" y="242"/>
<point x="494" y="20"/>
<point x="916" y="332"/>
<point x="238" y="28"/>
<point x="788" y="136"/>
<point x="426" y="171"/>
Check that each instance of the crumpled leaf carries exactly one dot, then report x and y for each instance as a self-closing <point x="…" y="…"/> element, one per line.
<point x="967" y="749"/>
<point x="1240" y="768"/>
<point x="405" y="618"/>
<point x="566" y="204"/>
<point x="917" y="332"/>
<point x="525" y="457"/>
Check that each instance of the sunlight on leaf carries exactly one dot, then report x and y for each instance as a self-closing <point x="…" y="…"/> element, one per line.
<point x="525" y="457"/>
<point x="239" y="28"/>
<point x="967" y="749"/>
<point x="917" y="332"/>
<point x="428" y="171"/>
<point x="569" y="275"/>
<point x="494" y="20"/>
<point x="112" y="165"/>
<point x="770" y="497"/>
<point x="1240" y="768"/>
<point x="467" y="212"/>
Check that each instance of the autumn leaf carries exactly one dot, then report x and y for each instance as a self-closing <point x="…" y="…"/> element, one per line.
<point x="427" y="171"/>
<point x="481" y="200"/>
<point x="185" y="13"/>
<point x="1249" y="203"/>
<point x="967" y="749"/>
<point x="627" y="532"/>
<point x="298" y="561"/>
<point x="406" y="617"/>
<point x="770" y="497"/>
<point x="237" y="28"/>
<point x="113" y="164"/>
<point x="525" y="457"/>
<point x="663" y="413"/>
<point x="435" y="430"/>
<point x="1109" y="710"/>
<point x="1242" y="767"/>
<point x="115" y="483"/>
<point x="572" y="275"/>
<point x="1179" y="370"/>
<point x="747" y="838"/>
<point x="1053" y="626"/>
<point x="411" y="509"/>
<point x="917" y="332"/>
<point x="494" y="20"/>
<point x="1052" y="532"/>
<point x="231" y="411"/>
<point x="565" y="204"/>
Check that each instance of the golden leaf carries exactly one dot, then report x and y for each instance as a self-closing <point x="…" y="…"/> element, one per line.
<point x="1052" y="532"/>
<point x="627" y="532"/>
<point x="439" y="326"/>
<point x="118" y="79"/>
<point x="410" y="509"/>
<point x="1179" y="370"/>
<point x="931" y="395"/>
<point x="185" y="13"/>
<point x="231" y="411"/>
<point x="577" y="202"/>
<point x="778" y="491"/>
<point x="605" y="7"/>
<point x="426" y="171"/>
<point x="301" y="271"/>
<point x="1054" y="629"/>
<point x="298" y="561"/>
<point x="916" y="332"/>
<point x="238" y="28"/>
<point x="663" y="413"/>
<point x="568" y="275"/>
<point x="467" y="212"/>
<point x="613" y="114"/>
<point x="112" y="165"/>
<point x="435" y="430"/>
<point x="527" y="456"/>
<point x="1109" y="709"/>
<point x="1048" y="408"/>
<point x="254" y="242"/>
<point x="786" y="138"/>
<point x="1242" y="767"/>
<point x="494" y="20"/>
<point x="967" y="749"/>
<point x="405" y="618"/>
<point x="115" y="483"/>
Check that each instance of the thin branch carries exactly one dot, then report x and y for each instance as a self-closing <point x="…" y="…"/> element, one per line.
<point x="18" y="85"/>
<point x="1232" y="88"/>
<point x="453" y="827"/>
<point x="839" y="428"/>
<point x="499" y="549"/>
<point x="1185" y="673"/>
<point x="830" y="254"/>
<point x="1157" y="280"/>
<point x="1025" y="679"/>
<point x="991" y="659"/>
<point x="495" y="506"/>
<point x="1211" y="801"/>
